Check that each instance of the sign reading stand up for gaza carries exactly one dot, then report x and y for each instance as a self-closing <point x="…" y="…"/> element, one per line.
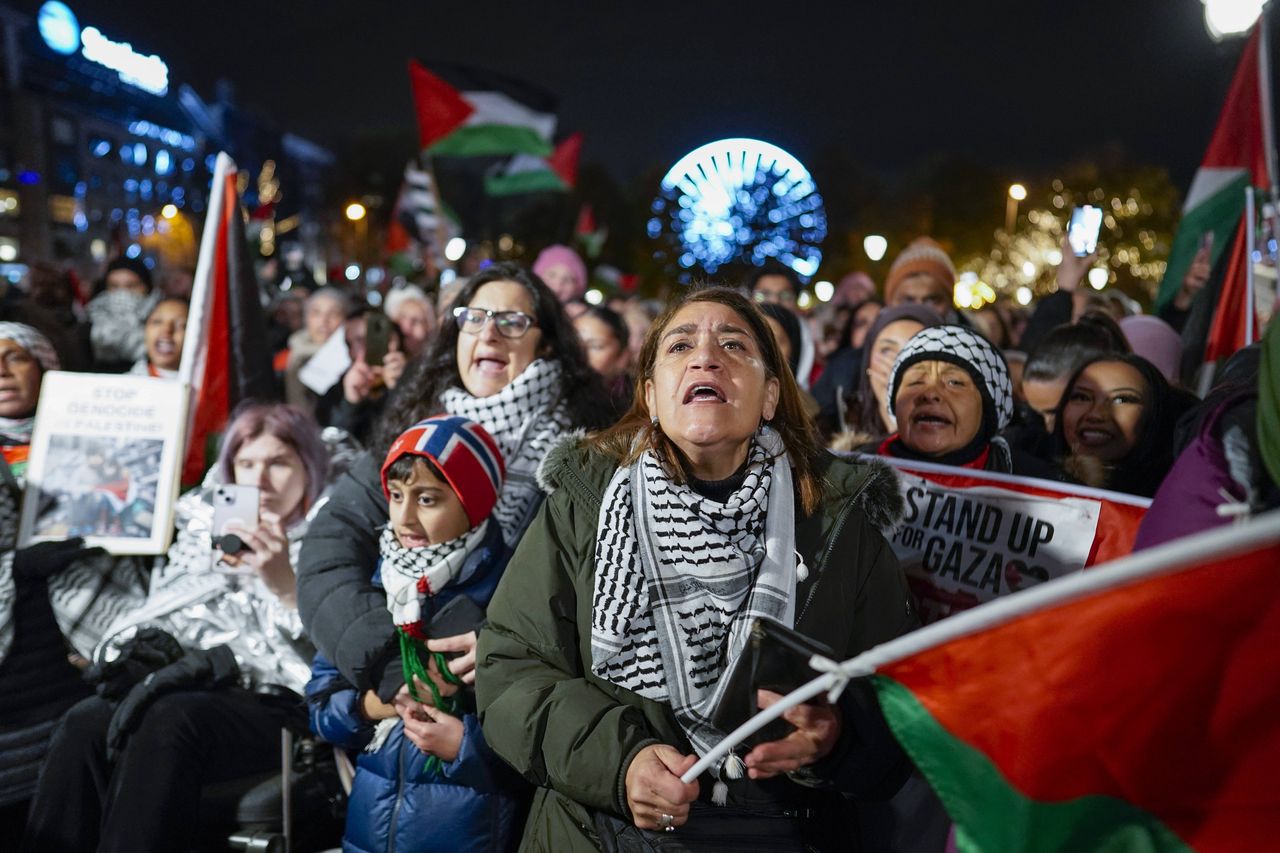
<point x="968" y="537"/>
<point x="105" y="458"/>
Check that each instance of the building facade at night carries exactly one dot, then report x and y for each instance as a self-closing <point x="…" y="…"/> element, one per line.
<point x="101" y="153"/>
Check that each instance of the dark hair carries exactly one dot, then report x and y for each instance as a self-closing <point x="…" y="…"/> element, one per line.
<point x="790" y="324"/>
<point x="136" y="267"/>
<point x="417" y="395"/>
<point x="636" y="432"/>
<point x="774" y="268"/>
<point x="1064" y="349"/>
<point x="612" y="319"/>
<point x="402" y="468"/>
<point x="867" y="411"/>
<point x="1143" y="469"/>
<point x="291" y="425"/>
<point x="185" y="303"/>
<point x="846" y="332"/>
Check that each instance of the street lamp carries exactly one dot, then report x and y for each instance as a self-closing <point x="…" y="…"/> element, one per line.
<point x="875" y="246"/>
<point x="355" y="211"/>
<point x="1017" y="193"/>
<point x="1226" y="18"/>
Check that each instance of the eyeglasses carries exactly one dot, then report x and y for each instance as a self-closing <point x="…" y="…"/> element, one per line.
<point x="510" y="324"/>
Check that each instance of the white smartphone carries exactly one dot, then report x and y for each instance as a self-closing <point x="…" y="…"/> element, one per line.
<point x="1083" y="229"/>
<point x="234" y="506"/>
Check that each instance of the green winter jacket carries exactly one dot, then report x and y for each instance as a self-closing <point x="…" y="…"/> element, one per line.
<point x="574" y="735"/>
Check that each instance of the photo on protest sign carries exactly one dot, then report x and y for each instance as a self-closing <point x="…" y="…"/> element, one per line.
<point x="969" y="537"/>
<point x="104" y="462"/>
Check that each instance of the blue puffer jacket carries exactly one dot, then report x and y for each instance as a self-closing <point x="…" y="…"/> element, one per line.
<point x="472" y="804"/>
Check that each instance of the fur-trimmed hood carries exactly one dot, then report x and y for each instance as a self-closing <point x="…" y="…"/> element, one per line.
<point x="870" y="482"/>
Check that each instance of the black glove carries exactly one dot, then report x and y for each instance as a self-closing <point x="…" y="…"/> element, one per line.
<point x="147" y="651"/>
<point x="199" y="670"/>
<point x="46" y="559"/>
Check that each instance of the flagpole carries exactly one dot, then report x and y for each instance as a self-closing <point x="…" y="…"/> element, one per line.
<point x="1250" y="237"/>
<point x="442" y="232"/>
<point x="1264" y="94"/>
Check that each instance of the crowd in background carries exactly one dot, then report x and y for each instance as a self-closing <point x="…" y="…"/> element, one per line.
<point x="128" y="687"/>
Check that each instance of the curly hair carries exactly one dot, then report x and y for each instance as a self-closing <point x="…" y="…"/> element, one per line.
<point x="795" y="427"/>
<point x="417" y="395"/>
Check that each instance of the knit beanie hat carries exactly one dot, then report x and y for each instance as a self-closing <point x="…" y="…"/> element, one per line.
<point x="31" y="341"/>
<point x="134" y="266"/>
<point x="558" y="254"/>
<point x="964" y="348"/>
<point x="465" y="454"/>
<point x="922" y="256"/>
<point x="1156" y="341"/>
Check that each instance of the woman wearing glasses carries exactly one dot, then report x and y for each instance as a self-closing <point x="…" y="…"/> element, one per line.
<point x="509" y="360"/>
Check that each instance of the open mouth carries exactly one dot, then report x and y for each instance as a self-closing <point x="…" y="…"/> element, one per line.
<point x="489" y="365"/>
<point x="411" y="540"/>
<point x="163" y="346"/>
<point x="1095" y="437"/>
<point x="704" y="392"/>
<point x="930" y="420"/>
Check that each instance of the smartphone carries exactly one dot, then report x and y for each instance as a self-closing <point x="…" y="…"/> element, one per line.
<point x="1083" y="230"/>
<point x="233" y="506"/>
<point x="377" y="336"/>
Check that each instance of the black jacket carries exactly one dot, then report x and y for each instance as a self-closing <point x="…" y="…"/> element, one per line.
<point x="345" y="615"/>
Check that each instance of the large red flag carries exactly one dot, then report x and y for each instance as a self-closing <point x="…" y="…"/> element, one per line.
<point x="225" y="359"/>
<point x="441" y="109"/>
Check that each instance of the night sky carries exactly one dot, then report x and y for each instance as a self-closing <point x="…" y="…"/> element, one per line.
<point x="1018" y="86"/>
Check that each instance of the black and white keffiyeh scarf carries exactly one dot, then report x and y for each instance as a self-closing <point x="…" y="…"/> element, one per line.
<point x="411" y="575"/>
<point x="679" y="579"/>
<point x="116" y="320"/>
<point x="526" y="418"/>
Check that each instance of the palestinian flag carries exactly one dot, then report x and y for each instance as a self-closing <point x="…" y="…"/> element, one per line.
<point x="466" y="112"/>
<point x="419" y="210"/>
<point x="1215" y="205"/>
<point x="225" y="359"/>
<point x="526" y="173"/>
<point x="1133" y="707"/>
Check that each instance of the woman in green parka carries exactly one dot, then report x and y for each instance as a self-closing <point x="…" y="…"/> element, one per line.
<point x="630" y="598"/>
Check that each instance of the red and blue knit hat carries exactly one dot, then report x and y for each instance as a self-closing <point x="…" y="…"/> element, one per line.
<point x="464" y="453"/>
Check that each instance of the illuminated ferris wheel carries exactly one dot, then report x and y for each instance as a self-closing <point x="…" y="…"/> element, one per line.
<point x="738" y="201"/>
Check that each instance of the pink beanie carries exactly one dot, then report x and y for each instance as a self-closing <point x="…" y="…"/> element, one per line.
<point x="1156" y="341"/>
<point x="558" y="254"/>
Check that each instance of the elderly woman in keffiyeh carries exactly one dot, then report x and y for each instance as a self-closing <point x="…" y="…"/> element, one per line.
<point x="605" y="665"/>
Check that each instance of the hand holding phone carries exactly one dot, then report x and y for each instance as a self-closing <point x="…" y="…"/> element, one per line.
<point x="235" y="508"/>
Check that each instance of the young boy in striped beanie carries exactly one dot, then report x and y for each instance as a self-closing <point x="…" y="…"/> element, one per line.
<point x="439" y="550"/>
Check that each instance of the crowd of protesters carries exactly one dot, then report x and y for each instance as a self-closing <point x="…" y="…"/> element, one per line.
<point x="508" y="554"/>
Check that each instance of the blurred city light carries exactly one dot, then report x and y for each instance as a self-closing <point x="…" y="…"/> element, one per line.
<point x="1023" y="295"/>
<point x="455" y="249"/>
<point x="824" y="290"/>
<point x="169" y="211"/>
<point x="593" y="296"/>
<point x="1098" y="277"/>
<point x="875" y="246"/>
<point x="355" y="211"/>
<point x="1226" y="18"/>
<point x="1017" y="192"/>
<point x="352" y="272"/>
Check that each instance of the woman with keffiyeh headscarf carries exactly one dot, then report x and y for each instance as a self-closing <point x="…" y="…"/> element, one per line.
<point x="612" y="651"/>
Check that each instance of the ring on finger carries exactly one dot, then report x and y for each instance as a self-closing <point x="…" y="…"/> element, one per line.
<point x="666" y="822"/>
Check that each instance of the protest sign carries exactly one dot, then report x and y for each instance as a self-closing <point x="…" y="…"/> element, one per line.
<point x="104" y="462"/>
<point x="969" y="537"/>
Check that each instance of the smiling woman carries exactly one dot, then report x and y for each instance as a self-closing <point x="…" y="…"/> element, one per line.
<point x="1115" y="423"/>
<point x="708" y="506"/>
